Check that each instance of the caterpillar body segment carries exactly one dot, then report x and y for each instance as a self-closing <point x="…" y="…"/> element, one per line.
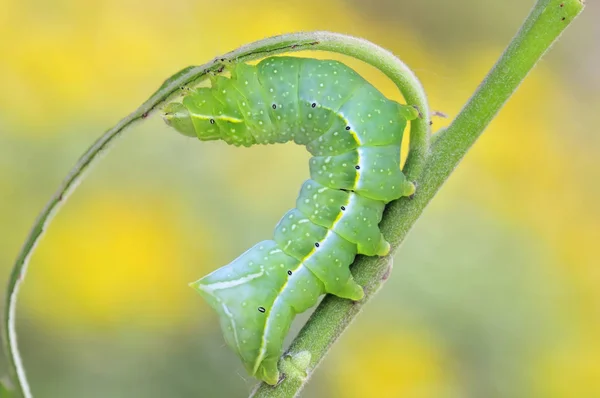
<point x="354" y="134"/>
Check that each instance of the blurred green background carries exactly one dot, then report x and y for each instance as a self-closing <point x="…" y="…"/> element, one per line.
<point x="496" y="292"/>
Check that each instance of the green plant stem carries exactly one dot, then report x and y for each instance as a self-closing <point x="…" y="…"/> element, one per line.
<point x="543" y="26"/>
<point x="368" y="52"/>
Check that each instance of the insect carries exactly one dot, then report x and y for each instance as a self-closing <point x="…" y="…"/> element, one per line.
<point x="354" y="134"/>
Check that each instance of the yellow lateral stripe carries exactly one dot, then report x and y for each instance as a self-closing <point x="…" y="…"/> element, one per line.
<point x="222" y="117"/>
<point x="355" y="136"/>
<point x="352" y="132"/>
<point x="357" y="178"/>
<point x="339" y="216"/>
<point x="262" y="348"/>
<point x="356" y="139"/>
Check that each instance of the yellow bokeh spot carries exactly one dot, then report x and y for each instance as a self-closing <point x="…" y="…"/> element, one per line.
<point x="570" y="370"/>
<point x="391" y="365"/>
<point x="110" y="261"/>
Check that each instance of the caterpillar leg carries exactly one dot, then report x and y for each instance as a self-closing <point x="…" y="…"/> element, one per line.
<point x="383" y="249"/>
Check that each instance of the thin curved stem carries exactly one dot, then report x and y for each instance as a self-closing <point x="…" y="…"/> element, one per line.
<point x="326" y="41"/>
<point x="543" y="26"/>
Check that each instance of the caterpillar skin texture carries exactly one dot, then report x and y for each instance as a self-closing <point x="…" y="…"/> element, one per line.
<point x="354" y="134"/>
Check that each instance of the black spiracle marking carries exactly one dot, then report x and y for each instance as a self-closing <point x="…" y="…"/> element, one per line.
<point x="343" y="208"/>
<point x="347" y="127"/>
<point x="314" y="104"/>
<point x="289" y="273"/>
<point x="357" y="167"/>
<point x="261" y="309"/>
<point x="212" y="121"/>
<point x="317" y="244"/>
<point x="274" y="106"/>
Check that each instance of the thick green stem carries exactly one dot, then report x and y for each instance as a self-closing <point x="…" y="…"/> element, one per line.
<point x="325" y="41"/>
<point x="545" y="23"/>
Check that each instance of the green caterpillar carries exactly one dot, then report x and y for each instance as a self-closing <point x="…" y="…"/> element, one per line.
<point x="354" y="134"/>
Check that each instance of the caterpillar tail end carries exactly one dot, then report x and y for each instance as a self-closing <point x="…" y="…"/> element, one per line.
<point x="210" y="298"/>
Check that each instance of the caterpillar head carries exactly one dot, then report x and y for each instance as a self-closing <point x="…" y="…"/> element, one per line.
<point x="177" y="116"/>
<point x="192" y="122"/>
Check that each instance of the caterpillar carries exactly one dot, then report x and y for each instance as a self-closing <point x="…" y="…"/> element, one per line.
<point x="354" y="134"/>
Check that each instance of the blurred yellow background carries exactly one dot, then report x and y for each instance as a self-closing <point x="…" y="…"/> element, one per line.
<point x="496" y="292"/>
